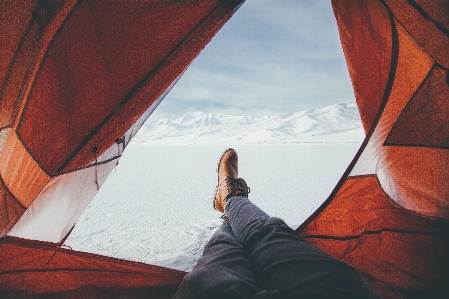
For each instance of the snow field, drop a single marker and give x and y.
(157, 206)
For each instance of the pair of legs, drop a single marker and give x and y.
(257, 256)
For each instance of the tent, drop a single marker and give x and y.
(388, 215)
(78, 79)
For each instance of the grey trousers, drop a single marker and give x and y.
(257, 256)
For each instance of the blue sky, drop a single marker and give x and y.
(272, 57)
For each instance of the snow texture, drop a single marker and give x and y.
(157, 206)
(333, 124)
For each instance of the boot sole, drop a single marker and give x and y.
(215, 202)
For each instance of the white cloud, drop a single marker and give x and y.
(272, 57)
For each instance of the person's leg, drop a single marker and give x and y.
(223, 271)
(282, 260)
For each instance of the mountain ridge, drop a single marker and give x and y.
(338, 123)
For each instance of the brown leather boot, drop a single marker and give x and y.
(229, 184)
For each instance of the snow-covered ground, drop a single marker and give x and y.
(157, 206)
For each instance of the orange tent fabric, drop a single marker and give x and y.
(77, 80)
(41, 270)
(389, 215)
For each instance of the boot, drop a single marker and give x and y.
(229, 184)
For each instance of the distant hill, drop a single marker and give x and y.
(333, 124)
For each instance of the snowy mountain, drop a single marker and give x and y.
(333, 124)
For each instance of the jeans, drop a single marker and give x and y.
(258, 256)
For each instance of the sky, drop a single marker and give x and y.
(272, 57)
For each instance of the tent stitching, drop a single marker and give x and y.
(388, 88)
(424, 82)
(379, 231)
(425, 15)
(34, 82)
(136, 88)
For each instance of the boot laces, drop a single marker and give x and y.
(236, 187)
